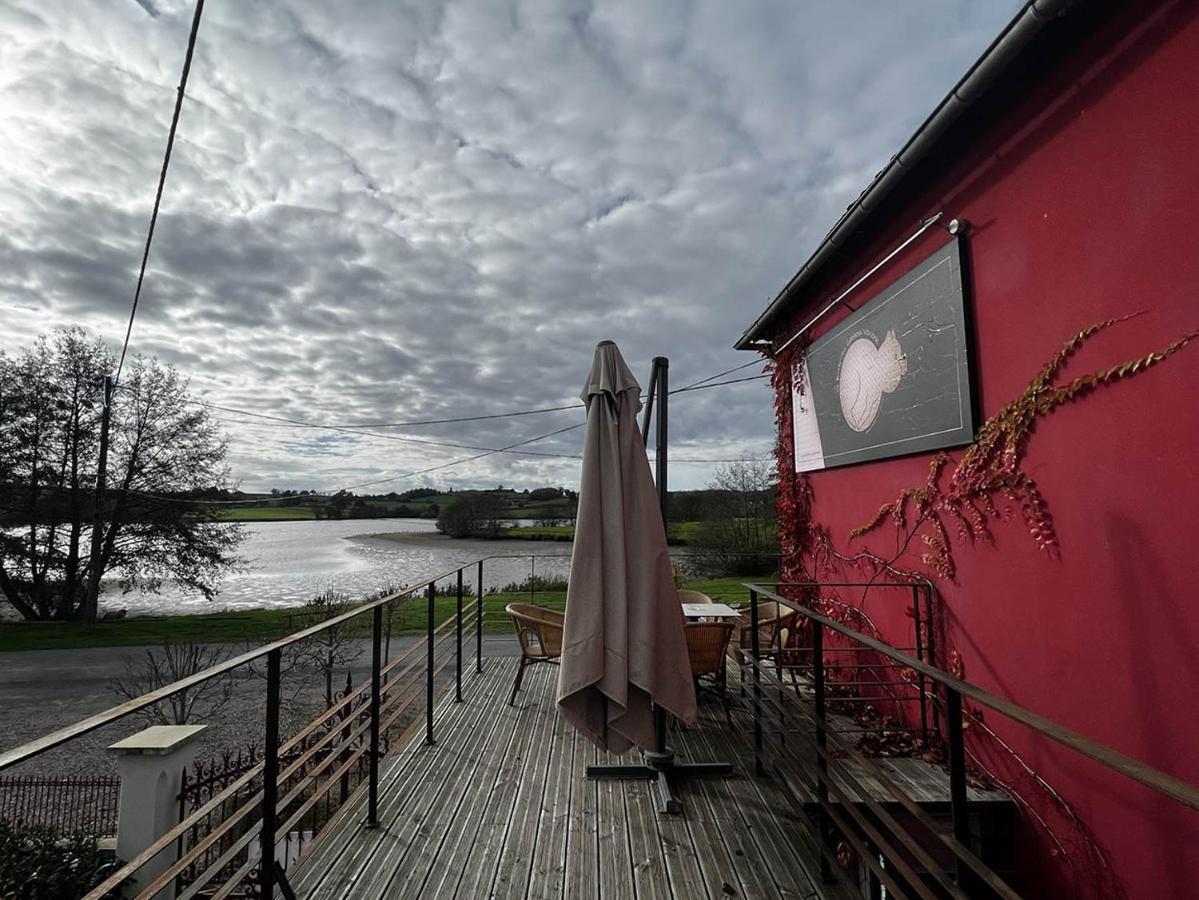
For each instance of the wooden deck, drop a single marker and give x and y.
(501, 807)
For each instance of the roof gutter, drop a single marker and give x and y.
(1020, 32)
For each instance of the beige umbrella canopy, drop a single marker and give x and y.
(623, 647)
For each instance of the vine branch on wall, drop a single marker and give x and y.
(988, 474)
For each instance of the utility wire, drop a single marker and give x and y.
(350, 487)
(162, 178)
(695, 384)
(355, 427)
(283, 421)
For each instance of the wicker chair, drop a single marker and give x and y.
(539, 631)
(693, 597)
(771, 618)
(707, 648)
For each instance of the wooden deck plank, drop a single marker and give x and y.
(405, 767)
(457, 852)
(582, 839)
(515, 861)
(650, 875)
(731, 866)
(495, 818)
(402, 864)
(683, 867)
(612, 837)
(501, 807)
(548, 874)
(403, 788)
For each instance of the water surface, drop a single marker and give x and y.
(290, 562)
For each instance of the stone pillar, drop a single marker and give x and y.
(151, 764)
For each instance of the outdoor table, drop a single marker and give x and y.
(709, 611)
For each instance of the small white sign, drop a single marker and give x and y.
(809, 452)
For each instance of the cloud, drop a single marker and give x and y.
(380, 211)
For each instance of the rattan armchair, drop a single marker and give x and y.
(693, 597)
(771, 617)
(539, 631)
(707, 648)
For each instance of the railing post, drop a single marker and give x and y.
(957, 778)
(270, 778)
(429, 668)
(532, 579)
(920, 680)
(755, 650)
(458, 659)
(372, 797)
(479, 623)
(930, 650)
(826, 871)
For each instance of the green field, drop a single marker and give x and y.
(267, 513)
(260, 625)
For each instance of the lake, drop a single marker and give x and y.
(290, 562)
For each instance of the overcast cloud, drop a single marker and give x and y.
(392, 211)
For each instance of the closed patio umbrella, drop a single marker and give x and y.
(623, 649)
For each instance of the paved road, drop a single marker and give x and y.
(43, 690)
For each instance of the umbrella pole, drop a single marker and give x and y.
(660, 765)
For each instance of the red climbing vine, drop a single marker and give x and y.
(987, 483)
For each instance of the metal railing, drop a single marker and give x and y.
(67, 802)
(211, 845)
(845, 808)
(284, 788)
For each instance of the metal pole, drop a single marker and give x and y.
(532, 578)
(957, 776)
(661, 381)
(91, 606)
(458, 658)
(479, 623)
(920, 680)
(662, 367)
(826, 871)
(755, 650)
(372, 797)
(270, 778)
(429, 669)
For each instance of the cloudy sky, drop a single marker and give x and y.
(386, 211)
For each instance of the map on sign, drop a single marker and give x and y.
(893, 377)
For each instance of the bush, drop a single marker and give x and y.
(40, 863)
(536, 583)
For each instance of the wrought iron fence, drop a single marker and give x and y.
(68, 803)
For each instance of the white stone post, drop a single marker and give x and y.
(151, 765)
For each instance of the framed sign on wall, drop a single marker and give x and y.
(892, 378)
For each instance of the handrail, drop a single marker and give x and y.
(1128, 766)
(49, 741)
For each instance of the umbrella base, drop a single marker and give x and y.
(661, 768)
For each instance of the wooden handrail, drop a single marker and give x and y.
(1135, 769)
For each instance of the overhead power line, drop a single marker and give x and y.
(162, 178)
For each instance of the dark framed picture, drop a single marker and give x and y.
(891, 379)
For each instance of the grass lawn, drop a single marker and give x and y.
(680, 532)
(267, 513)
(260, 625)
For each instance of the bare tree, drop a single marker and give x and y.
(167, 664)
(163, 452)
(739, 534)
(331, 649)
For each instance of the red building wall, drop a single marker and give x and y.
(1084, 206)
